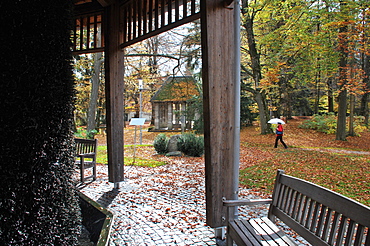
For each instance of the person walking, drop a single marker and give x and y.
(279, 135)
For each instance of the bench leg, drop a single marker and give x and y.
(220, 233)
(94, 171)
(229, 240)
(82, 169)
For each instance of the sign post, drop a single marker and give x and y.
(136, 122)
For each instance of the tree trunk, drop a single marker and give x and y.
(365, 108)
(342, 97)
(365, 98)
(95, 82)
(342, 111)
(330, 95)
(351, 131)
(259, 96)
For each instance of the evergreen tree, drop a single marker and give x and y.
(38, 201)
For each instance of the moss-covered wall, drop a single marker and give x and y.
(38, 204)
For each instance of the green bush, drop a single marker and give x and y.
(160, 143)
(326, 123)
(82, 133)
(191, 145)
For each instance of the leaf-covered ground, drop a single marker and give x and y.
(342, 166)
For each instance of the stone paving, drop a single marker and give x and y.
(160, 206)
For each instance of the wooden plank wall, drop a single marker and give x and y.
(219, 76)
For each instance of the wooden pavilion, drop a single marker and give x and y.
(111, 25)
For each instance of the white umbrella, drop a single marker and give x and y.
(276, 121)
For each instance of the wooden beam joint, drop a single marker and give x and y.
(228, 4)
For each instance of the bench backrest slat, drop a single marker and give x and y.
(351, 230)
(84, 146)
(321, 216)
(321, 220)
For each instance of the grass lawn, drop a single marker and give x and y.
(130, 160)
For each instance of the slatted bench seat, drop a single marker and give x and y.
(86, 156)
(319, 215)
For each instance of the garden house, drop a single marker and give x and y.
(171, 103)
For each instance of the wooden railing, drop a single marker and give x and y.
(145, 18)
(88, 33)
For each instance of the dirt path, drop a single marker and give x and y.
(340, 151)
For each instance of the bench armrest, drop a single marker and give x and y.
(231, 204)
(249, 202)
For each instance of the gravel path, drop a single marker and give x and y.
(160, 206)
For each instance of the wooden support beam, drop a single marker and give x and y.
(114, 94)
(219, 82)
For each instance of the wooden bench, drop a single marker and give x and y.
(319, 215)
(86, 156)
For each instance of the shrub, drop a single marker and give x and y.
(359, 125)
(326, 123)
(91, 134)
(160, 143)
(82, 133)
(191, 145)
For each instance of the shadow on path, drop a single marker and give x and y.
(108, 197)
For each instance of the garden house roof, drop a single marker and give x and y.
(177, 89)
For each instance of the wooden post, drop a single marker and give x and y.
(156, 116)
(182, 115)
(219, 92)
(170, 116)
(114, 94)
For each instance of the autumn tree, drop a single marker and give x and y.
(342, 96)
(364, 108)
(170, 54)
(94, 95)
(352, 36)
(89, 84)
(365, 58)
(302, 59)
(143, 60)
(254, 69)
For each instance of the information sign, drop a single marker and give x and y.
(137, 121)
